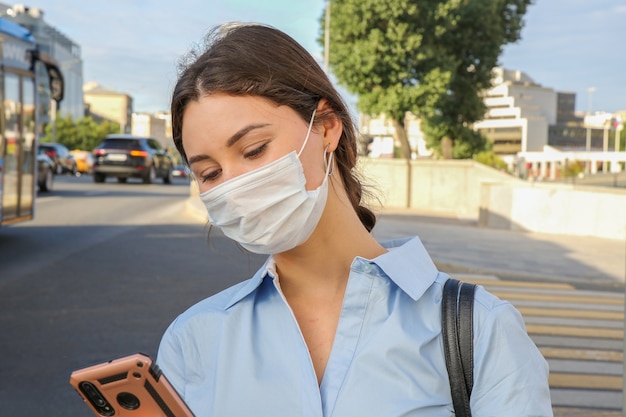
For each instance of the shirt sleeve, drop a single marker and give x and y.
(170, 360)
(510, 374)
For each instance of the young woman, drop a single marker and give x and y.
(335, 323)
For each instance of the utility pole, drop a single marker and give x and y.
(590, 90)
(618, 128)
(53, 120)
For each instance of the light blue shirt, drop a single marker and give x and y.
(240, 353)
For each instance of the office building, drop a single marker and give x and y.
(519, 112)
(102, 103)
(155, 125)
(66, 52)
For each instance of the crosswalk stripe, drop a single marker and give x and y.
(571, 313)
(582, 354)
(585, 381)
(575, 331)
(580, 332)
(556, 298)
(522, 284)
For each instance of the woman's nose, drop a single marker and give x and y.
(231, 171)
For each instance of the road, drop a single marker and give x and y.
(100, 273)
(104, 268)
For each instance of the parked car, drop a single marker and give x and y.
(45, 172)
(84, 161)
(126, 156)
(180, 171)
(60, 155)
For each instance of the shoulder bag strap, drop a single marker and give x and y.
(465, 319)
(457, 318)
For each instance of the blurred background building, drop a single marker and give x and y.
(64, 50)
(104, 104)
(154, 125)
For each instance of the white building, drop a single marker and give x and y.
(519, 112)
(380, 133)
(157, 126)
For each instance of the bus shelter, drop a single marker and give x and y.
(30, 81)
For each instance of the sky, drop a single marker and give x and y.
(133, 46)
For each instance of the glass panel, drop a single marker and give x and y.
(43, 102)
(28, 141)
(12, 149)
(112, 143)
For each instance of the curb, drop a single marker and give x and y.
(194, 207)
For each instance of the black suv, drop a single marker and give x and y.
(63, 161)
(124, 156)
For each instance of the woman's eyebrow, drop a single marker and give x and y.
(242, 132)
(197, 158)
(230, 142)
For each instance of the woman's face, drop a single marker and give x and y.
(225, 136)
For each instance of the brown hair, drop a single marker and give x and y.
(258, 60)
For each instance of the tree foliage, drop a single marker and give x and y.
(84, 133)
(429, 57)
(490, 158)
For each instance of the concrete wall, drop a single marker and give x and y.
(467, 189)
(555, 208)
(445, 187)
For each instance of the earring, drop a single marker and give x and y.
(329, 167)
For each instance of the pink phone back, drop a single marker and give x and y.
(131, 386)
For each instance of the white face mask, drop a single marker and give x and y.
(269, 210)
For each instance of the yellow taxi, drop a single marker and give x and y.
(84, 161)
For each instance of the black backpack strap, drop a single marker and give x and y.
(457, 318)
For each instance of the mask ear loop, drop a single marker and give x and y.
(329, 167)
(308, 133)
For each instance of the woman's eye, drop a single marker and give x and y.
(210, 176)
(255, 152)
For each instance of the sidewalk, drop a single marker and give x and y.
(458, 245)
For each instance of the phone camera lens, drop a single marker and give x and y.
(128, 401)
(92, 393)
(96, 398)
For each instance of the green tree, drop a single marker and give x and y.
(490, 158)
(573, 169)
(429, 57)
(84, 133)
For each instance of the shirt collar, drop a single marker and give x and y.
(268, 269)
(407, 264)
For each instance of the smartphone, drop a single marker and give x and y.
(132, 386)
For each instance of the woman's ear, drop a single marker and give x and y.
(331, 127)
